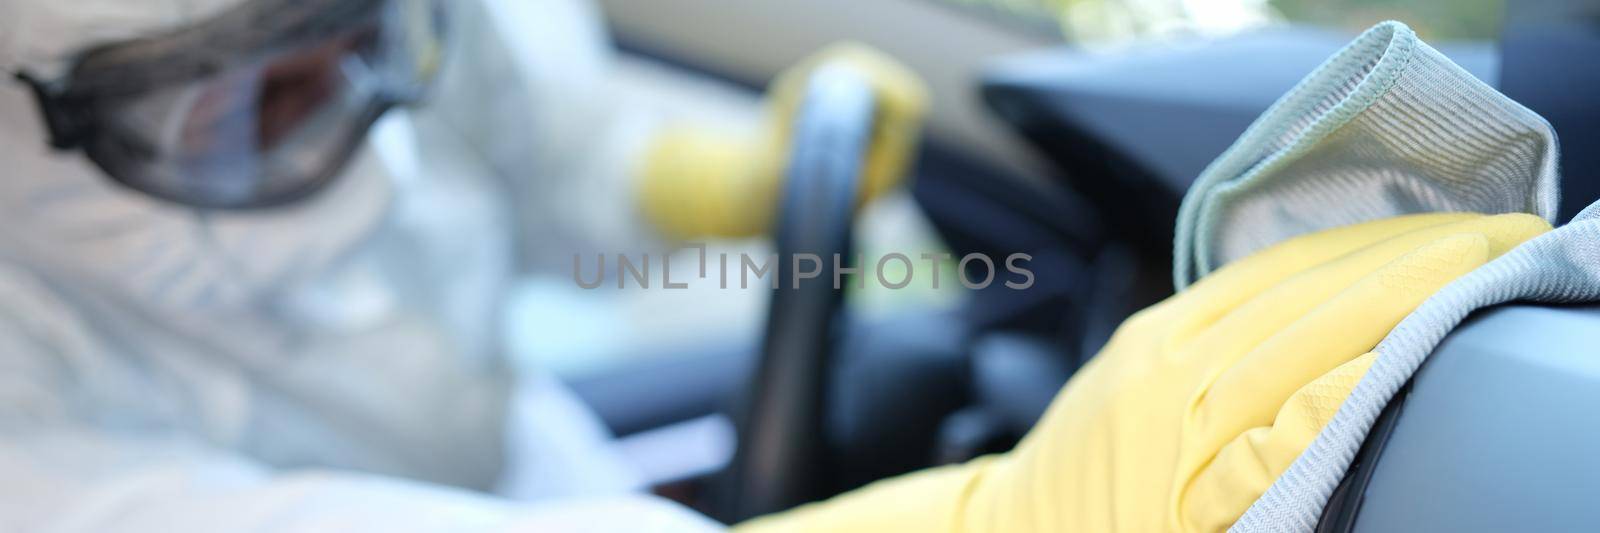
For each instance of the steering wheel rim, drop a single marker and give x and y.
(781, 458)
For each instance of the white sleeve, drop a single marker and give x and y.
(558, 447)
(529, 88)
(70, 480)
(67, 467)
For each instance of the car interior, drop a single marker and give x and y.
(1080, 159)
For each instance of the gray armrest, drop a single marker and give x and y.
(1500, 430)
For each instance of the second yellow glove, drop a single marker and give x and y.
(696, 181)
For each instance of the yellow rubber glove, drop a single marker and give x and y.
(697, 181)
(1197, 403)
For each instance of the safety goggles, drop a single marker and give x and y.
(259, 106)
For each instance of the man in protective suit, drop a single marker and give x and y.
(212, 274)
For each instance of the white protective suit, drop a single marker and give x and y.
(332, 365)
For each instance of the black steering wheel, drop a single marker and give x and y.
(781, 460)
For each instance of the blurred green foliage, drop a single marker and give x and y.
(1093, 21)
(1435, 20)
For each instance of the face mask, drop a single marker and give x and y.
(1386, 127)
(260, 105)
